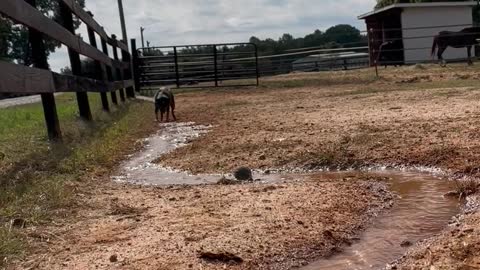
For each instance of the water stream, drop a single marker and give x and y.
(419, 212)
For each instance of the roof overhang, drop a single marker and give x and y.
(417, 5)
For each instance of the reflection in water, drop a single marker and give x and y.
(420, 212)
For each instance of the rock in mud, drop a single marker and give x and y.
(328, 234)
(113, 258)
(225, 257)
(406, 243)
(226, 181)
(243, 174)
(452, 194)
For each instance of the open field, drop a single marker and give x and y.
(422, 116)
(339, 120)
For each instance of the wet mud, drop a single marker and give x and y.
(420, 209)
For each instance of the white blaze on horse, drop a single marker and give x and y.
(466, 38)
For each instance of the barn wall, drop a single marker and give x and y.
(386, 27)
(432, 16)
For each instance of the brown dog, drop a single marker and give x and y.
(164, 102)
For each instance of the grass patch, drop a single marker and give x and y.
(38, 179)
(11, 244)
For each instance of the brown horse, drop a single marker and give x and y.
(466, 38)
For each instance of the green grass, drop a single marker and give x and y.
(38, 178)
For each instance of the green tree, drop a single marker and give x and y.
(315, 39)
(14, 43)
(343, 34)
(5, 30)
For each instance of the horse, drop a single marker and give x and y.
(465, 38)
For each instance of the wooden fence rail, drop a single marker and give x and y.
(111, 75)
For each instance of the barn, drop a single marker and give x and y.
(410, 27)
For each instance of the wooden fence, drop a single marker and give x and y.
(112, 75)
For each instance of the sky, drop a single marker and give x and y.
(182, 22)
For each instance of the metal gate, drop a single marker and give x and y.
(198, 66)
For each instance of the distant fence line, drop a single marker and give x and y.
(197, 67)
(111, 74)
(212, 65)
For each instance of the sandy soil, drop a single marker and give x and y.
(266, 226)
(411, 116)
(343, 125)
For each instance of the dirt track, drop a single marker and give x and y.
(413, 117)
(268, 226)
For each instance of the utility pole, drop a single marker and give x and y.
(141, 33)
(122, 22)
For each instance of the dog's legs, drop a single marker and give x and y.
(173, 114)
(168, 114)
(156, 113)
(172, 106)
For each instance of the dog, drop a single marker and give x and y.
(164, 103)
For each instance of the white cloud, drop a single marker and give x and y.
(170, 22)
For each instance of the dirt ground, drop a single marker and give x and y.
(411, 116)
(170, 228)
(345, 121)
(421, 116)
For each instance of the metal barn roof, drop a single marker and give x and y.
(417, 5)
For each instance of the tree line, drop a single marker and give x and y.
(338, 36)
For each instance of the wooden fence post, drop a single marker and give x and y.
(118, 73)
(39, 59)
(76, 64)
(109, 72)
(135, 65)
(127, 73)
(99, 74)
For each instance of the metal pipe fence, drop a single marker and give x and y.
(189, 66)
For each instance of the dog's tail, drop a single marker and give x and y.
(434, 46)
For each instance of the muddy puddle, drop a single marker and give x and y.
(419, 212)
(141, 169)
